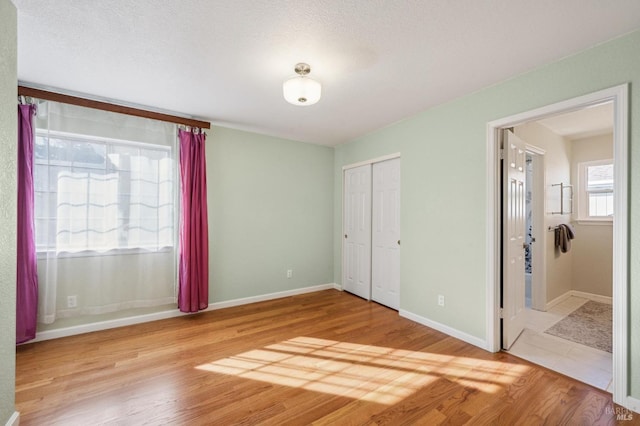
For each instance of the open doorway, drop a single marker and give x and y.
(618, 97)
(569, 329)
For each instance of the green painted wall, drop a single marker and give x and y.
(270, 209)
(8, 198)
(444, 184)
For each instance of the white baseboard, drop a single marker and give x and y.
(139, 319)
(475, 341)
(595, 297)
(337, 286)
(584, 295)
(270, 296)
(14, 420)
(104, 325)
(557, 300)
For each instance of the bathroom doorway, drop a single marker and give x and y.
(496, 278)
(569, 328)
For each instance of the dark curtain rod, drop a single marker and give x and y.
(106, 106)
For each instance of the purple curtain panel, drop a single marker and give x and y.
(193, 266)
(27, 275)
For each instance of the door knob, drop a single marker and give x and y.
(345, 235)
(398, 242)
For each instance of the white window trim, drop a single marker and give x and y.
(583, 217)
(92, 138)
(141, 251)
(595, 222)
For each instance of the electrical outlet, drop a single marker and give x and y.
(289, 273)
(440, 300)
(72, 301)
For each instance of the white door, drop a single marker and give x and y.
(385, 257)
(357, 231)
(513, 229)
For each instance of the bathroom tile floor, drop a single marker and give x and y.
(589, 365)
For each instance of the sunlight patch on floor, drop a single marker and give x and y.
(371, 373)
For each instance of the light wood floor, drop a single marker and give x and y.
(319, 358)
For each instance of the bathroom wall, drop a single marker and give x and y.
(557, 160)
(592, 248)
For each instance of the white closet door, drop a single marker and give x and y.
(386, 233)
(357, 231)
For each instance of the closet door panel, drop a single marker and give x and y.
(357, 231)
(386, 233)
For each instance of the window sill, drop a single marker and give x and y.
(596, 222)
(93, 253)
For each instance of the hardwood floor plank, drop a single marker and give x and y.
(424, 404)
(319, 358)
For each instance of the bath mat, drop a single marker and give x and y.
(590, 325)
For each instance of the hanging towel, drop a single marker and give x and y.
(563, 236)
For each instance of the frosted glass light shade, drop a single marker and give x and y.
(301, 91)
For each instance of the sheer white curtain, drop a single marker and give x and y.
(106, 211)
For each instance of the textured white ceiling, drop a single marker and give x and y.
(225, 60)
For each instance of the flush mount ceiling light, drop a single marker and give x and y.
(302, 90)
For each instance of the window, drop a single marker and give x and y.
(99, 194)
(596, 187)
